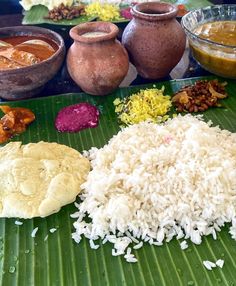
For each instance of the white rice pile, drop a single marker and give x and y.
(153, 182)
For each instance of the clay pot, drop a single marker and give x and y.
(96, 61)
(154, 39)
(27, 82)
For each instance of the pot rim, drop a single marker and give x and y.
(164, 11)
(76, 33)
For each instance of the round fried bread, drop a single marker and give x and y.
(37, 179)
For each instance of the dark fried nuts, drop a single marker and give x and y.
(199, 96)
(65, 12)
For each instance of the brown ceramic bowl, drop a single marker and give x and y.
(26, 82)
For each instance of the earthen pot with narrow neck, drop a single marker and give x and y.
(154, 39)
(96, 61)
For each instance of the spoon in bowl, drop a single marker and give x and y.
(4, 44)
(37, 42)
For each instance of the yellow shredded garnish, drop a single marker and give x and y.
(105, 12)
(148, 104)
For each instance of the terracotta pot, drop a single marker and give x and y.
(27, 82)
(154, 39)
(97, 63)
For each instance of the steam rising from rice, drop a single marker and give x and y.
(155, 182)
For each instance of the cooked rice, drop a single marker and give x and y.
(17, 222)
(93, 245)
(139, 245)
(154, 182)
(209, 265)
(220, 263)
(33, 233)
(184, 245)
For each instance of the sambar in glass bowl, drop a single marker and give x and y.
(211, 32)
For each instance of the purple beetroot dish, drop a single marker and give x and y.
(76, 117)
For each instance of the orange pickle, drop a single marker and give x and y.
(14, 121)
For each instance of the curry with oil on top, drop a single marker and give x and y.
(22, 51)
(219, 60)
(222, 32)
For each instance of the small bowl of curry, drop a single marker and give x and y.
(212, 38)
(29, 57)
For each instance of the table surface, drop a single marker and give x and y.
(62, 82)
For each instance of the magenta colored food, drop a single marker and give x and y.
(125, 13)
(76, 117)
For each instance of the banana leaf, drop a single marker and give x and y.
(55, 259)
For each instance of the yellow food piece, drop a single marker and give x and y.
(37, 179)
(149, 104)
(222, 32)
(217, 64)
(105, 12)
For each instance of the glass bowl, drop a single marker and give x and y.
(215, 57)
